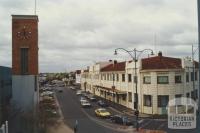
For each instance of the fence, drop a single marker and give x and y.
(4, 128)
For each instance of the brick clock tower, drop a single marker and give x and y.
(25, 61)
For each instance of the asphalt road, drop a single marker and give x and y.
(87, 122)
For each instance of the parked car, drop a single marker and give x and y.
(50, 101)
(82, 99)
(92, 97)
(102, 112)
(85, 103)
(51, 112)
(79, 92)
(60, 90)
(119, 119)
(72, 88)
(46, 93)
(102, 103)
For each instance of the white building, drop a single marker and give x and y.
(78, 77)
(159, 79)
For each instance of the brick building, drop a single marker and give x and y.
(25, 61)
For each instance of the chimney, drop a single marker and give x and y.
(110, 60)
(115, 61)
(160, 54)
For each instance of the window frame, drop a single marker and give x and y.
(123, 77)
(144, 81)
(147, 98)
(158, 82)
(178, 81)
(129, 78)
(160, 104)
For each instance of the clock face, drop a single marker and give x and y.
(24, 33)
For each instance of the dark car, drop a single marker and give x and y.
(92, 98)
(102, 103)
(124, 120)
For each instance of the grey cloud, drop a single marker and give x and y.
(74, 34)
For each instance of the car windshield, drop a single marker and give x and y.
(103, 111)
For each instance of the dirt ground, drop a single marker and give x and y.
(59, 128)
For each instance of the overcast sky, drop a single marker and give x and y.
(76, 33)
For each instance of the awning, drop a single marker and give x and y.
(116, 91)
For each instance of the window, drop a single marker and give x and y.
(117, 77)
(195, 76)
(194, 94)
(163, 100)
(192, 76)
(107, 76)
(123, 77)
(113, 76)
(162, 80)
(135, 79)
(124, 97)
(187, 76)
(24, 60)
(178, 79)
(129, 78)
(129, 96)
(147, 79)
(187, 95)
(147, 100)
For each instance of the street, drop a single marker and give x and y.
(72, 111)
(88, 122)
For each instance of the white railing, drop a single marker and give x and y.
(4, 128)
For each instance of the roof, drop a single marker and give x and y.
(35, 17)
(86, 70)
(114, 67)
(161, 62)
(78, 71)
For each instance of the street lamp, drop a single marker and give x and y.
(135, 56)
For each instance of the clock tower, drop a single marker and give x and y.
(25, 61)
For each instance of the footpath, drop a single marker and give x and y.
(60, 127)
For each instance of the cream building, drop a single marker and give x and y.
(159, 79)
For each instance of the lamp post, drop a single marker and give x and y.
(198, 117)
(193, 70)
(135, 55)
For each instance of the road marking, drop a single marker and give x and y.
(140, 121)
(147, 123)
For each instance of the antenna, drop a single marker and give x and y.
(155, 41)
(35, 7)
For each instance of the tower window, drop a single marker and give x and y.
(24, 60)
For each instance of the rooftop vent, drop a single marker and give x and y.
(160, 53)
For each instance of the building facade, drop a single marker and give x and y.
(5, 92)
(159, 79)
(25, 61)
(78, 77)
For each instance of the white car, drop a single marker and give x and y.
(79, 92)
(82, 99)
(85, 103)
(46, 93)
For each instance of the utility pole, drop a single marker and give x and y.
(198, 117)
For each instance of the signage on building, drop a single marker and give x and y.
(182, 113)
